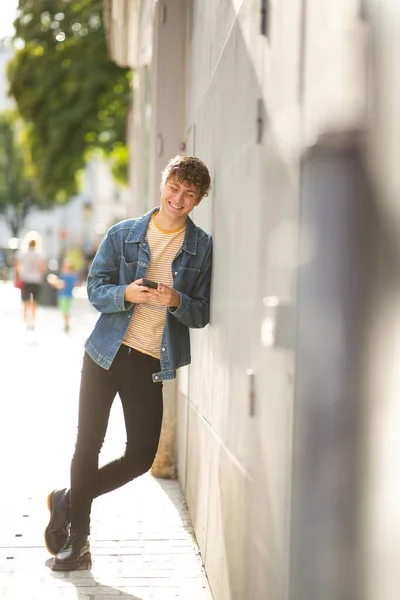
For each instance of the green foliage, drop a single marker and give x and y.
(74, 98)
(17, 191)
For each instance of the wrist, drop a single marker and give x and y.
(176, 300)
(126, 294)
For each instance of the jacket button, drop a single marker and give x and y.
(156, 377)
(175, 272)
(163, 349)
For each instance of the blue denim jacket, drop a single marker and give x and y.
(124, 256)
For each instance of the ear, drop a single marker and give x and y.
(197, 202)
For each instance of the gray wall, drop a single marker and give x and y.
(269, 428)
(235, 460)
(270, 402)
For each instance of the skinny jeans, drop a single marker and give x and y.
(130, 376)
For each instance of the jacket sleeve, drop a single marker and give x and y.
(194, 311)
(103, 288)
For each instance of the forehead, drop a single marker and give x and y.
(184, 185)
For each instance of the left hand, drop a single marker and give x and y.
(167, 296)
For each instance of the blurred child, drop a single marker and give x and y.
(65, 284)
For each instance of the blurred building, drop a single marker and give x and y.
(83, 221)
(279, 441)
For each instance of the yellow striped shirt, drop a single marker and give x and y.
(147, 323)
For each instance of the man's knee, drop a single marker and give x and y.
(139, 460)
(87, 446)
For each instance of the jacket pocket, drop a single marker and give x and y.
(186, 279)
(127, 271)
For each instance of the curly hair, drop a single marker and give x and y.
(189, 170)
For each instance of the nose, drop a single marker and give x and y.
(178, 197)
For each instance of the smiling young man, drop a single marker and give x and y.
(139, 340)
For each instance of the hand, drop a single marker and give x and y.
(55, 282)
(52, 279)
(167, 296)
(137, 293)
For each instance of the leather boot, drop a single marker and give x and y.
(74, 555)
(56, 532)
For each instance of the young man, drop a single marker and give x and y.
(140, 339)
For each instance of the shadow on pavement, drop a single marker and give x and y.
(82, 580)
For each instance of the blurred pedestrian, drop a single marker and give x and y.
(30, 269)
(65, 285)
(139, 340)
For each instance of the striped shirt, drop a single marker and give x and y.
(148, 320)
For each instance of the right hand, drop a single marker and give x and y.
(52, 279)
(137, 293)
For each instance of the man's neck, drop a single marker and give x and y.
(164, 222)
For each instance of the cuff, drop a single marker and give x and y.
(119, 298)
(183, 306)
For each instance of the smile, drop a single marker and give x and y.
(175, 206)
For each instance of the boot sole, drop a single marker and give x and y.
(52, 551)
(85, 562)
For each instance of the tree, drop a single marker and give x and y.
(74, 98)
(17, 190)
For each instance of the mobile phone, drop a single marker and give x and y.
(150, 284)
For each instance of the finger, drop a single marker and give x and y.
(138, 281)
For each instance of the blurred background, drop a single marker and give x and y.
(284, 431)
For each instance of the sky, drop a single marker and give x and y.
(8, 9)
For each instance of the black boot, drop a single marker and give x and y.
(56, 532)
(75, 554)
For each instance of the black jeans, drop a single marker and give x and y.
(130, 377)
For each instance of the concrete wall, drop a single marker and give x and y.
(168, 89)
(235, 404)
(253, 104)
(381, 457)
(381, 506)
(256, 423)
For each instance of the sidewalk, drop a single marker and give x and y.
(142, 542)
(142, 547)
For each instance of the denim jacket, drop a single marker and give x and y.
(124, 256)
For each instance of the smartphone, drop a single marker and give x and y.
(150, 284)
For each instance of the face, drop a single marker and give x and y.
(178, 199)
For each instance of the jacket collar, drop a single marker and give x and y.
(137, 233)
